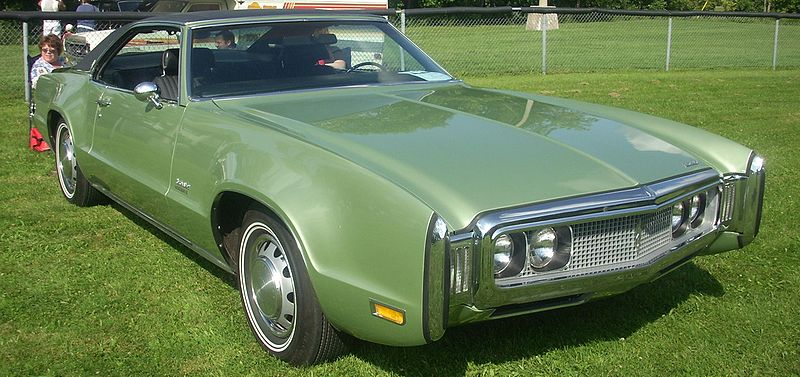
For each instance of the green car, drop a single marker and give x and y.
(355, 188)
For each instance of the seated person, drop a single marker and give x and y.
(51, 48)
(333, 60)
(225, 40)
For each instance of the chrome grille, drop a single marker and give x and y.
(726, 204)
(612, 241)
(603, 242)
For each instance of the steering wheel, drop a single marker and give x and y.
(364, 64)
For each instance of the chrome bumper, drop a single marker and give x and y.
(745, 221)
(454, 297)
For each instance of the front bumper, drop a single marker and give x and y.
(461, 287)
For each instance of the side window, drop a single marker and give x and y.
(140, 59)
(202, 7)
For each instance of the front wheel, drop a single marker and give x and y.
(279, 302)
(76, 189)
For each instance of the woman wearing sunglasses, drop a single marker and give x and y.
(51, 48)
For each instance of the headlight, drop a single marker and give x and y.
(508, 254)
(503, 251)
(697, 205)
(543, 247)
(549, 248)
(679, 215)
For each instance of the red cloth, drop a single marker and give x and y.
(37, 142)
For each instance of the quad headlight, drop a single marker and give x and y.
(503, 251)
(509, 254)
(679, 215)
(549, 248)
(540, 250)
(689, 213)
(697, 206)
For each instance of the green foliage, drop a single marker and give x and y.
(18, 5)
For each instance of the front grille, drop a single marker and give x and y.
(607, 242)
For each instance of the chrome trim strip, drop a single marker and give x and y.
(680, 186)
(605, 213)
(647, 198)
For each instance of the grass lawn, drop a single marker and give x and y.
(98, 291)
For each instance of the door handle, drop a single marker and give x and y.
(103, 102)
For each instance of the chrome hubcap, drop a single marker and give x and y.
(268, 286)
(65, 161)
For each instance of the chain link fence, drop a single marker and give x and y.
(533, 43)
(524, 41)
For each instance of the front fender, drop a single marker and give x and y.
(362, 237)
(67, 95)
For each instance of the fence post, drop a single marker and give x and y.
(669, 42)
(543, 22)
(775, 45)
(25, 55)
(402, 30)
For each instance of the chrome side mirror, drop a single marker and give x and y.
(148, 91)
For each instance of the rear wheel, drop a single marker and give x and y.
(74, 186)
(277, 296)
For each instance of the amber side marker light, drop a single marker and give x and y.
(388, 313)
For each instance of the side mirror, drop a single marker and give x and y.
(148, 91)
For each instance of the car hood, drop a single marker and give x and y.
(464, 151)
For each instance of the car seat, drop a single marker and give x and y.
(167, 83)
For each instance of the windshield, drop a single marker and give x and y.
(251, 59)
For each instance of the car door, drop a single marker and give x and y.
(133, 137)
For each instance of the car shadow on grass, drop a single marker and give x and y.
(535, 334)
(213, 269)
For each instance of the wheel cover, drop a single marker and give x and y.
(66, 166)
(268, 290)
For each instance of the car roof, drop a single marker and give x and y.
(229, 16)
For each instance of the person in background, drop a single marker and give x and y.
(86, 25)
(51, 48)
(51, 26)
(225, 40)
